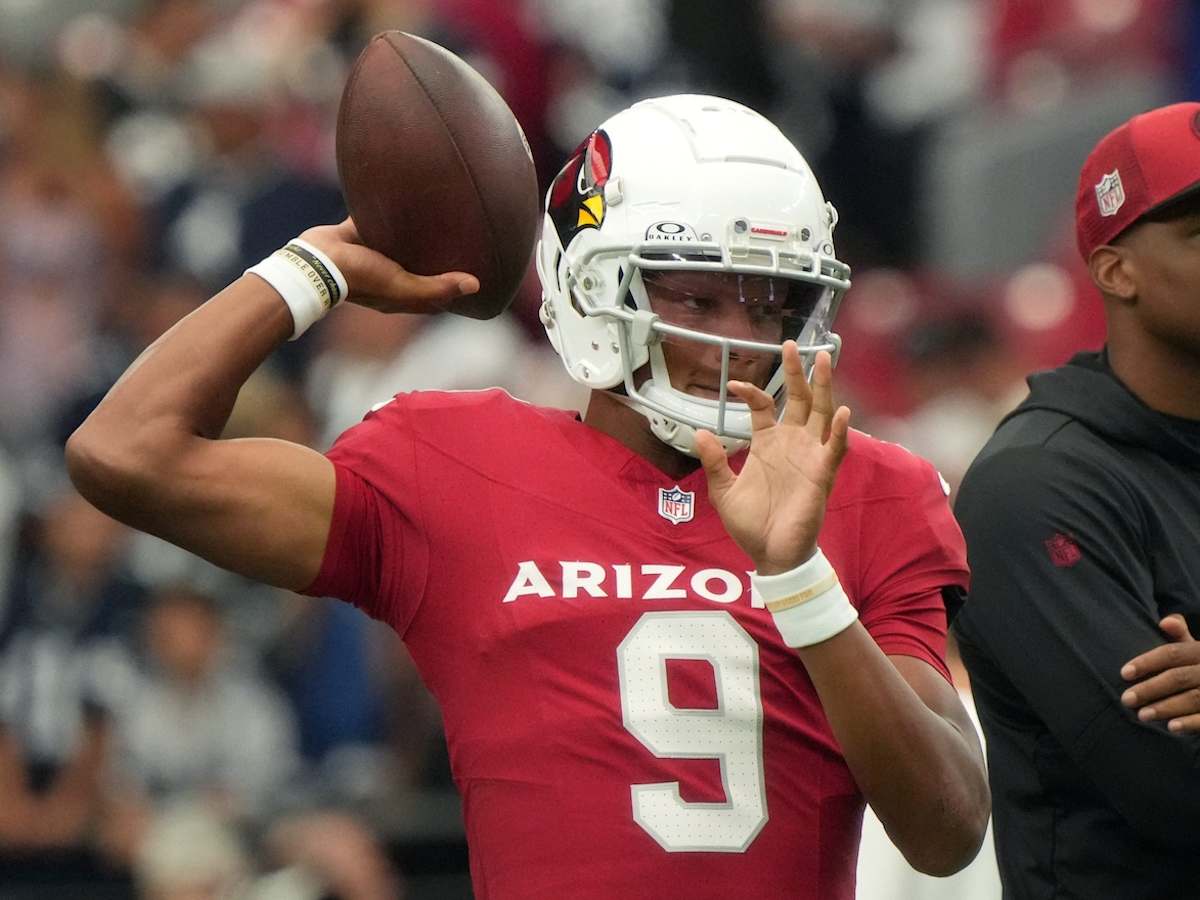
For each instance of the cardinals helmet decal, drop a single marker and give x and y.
(577, 195)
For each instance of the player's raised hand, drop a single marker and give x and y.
(774, 508)
(1167, 679)
(380, 283)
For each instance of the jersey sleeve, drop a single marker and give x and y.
(912, 553)
(376, 555)
(1062, 596)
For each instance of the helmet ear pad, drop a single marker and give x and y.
(596, 347)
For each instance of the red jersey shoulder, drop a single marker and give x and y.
(461, 418)
(876, 470)
(494, 405)
(486, 430)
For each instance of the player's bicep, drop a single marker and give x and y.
(256, 506)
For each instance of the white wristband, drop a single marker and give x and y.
(307, 280)
(807, 602)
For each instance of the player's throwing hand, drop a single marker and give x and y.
(378, 282)
(774, 508)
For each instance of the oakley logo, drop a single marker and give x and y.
(670, 231)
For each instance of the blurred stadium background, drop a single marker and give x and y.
(161, 719)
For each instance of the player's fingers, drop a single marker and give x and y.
(839, 435)
(401, 291)
(1162, 658)
(434, 290)
(1177, 682)
(1185, 703)
(716, 465)
(382, 283)
(762, 407)
(459, 284)
(1184, 724)
(821, 382)
(799, 395)
(1175, 626)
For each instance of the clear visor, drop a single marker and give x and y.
(759, 308)
(750, 314)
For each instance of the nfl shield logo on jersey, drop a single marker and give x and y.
(1110, 193)
(675, 505)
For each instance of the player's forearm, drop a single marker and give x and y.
(921, 774)
(182, 388)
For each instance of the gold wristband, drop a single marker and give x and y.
(804, 596)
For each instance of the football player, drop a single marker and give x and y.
(1083, 516)
(673, 656)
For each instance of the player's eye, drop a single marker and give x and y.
(696, 304)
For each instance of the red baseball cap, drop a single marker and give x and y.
(1151, 160)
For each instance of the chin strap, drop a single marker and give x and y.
(682, 436)
(675, 434)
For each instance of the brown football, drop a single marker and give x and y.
(435, 170)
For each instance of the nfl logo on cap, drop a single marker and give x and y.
(675, 505)
(1137, 168)
(1110, 193)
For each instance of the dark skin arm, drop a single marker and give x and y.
(149, 455)
(903, 730)
(909, 743)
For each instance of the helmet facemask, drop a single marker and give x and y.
(679, 297)
(733, 325)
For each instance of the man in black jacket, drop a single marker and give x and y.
(1082, 519)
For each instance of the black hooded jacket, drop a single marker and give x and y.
(1082, 520)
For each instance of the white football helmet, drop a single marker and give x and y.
(691, 183)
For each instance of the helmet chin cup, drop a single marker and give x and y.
(682, 437)
(689, 183)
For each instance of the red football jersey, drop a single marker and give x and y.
(622, 716)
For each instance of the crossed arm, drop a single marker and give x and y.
(1083, 644)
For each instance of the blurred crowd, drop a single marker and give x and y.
(167, 724)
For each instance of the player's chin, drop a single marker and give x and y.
(704, 392)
